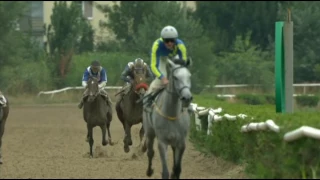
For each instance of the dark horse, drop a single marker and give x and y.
(4, 112)
(96, 112)
(129, 112)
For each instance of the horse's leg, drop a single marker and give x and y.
(127, 137)
(141, 133)
(150, 152)
(109, 134)
(1, 134)
(104, 130)
(0, 150)
(122, 120)
(142, 145)
(90, 133)
(163, 156)
(177, 158)
(87, 138)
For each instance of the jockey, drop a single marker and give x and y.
(95, 70)
(128, 76)
(167, 46)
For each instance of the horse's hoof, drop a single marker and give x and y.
(149, 172)
(144, 149)
(91, 156)
(130, 142)
(173, 176)
(126, 149)
(110, 142)
(1, 162)
(104, 143)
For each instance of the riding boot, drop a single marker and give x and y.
(80, 105)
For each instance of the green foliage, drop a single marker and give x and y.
(251, 99)
(109, 46)
(246, 64)
(265, 154)
(305, 17)
(223, 21)
(28, 77)
(10, 39)
(114, 63)
(125, 17)
(23, 67)
(68, 33)
(256, 99)
(86, 43)
(305, 100)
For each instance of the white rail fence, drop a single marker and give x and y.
(216, 86)
(214, 117)
(304, 86)
(53, 92)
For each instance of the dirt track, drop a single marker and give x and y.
(49, 142)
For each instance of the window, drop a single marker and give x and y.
(37, 9)
(87, 9)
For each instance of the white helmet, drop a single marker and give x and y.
(169, 32)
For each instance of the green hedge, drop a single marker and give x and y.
(113, 62)
(32, 77)
(265, 154)
(256, 99)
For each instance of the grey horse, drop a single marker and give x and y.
(4, 112)
(168, 119)
(96, 112)
(129, 112)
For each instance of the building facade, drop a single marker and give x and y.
(40, 11)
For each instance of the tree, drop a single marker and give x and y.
(67, 29)
(86, 43)
(223, 21)
(246, 64)
(125, 17)
(305, 17)
(10, 39)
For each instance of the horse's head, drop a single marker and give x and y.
(93, 88)
(180, 80)
(139, 71)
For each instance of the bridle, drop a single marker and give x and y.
(177, 91)
(93, 80)
(135, 86)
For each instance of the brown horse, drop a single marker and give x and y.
(128, 110)
(97, 112)
(4, 112)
